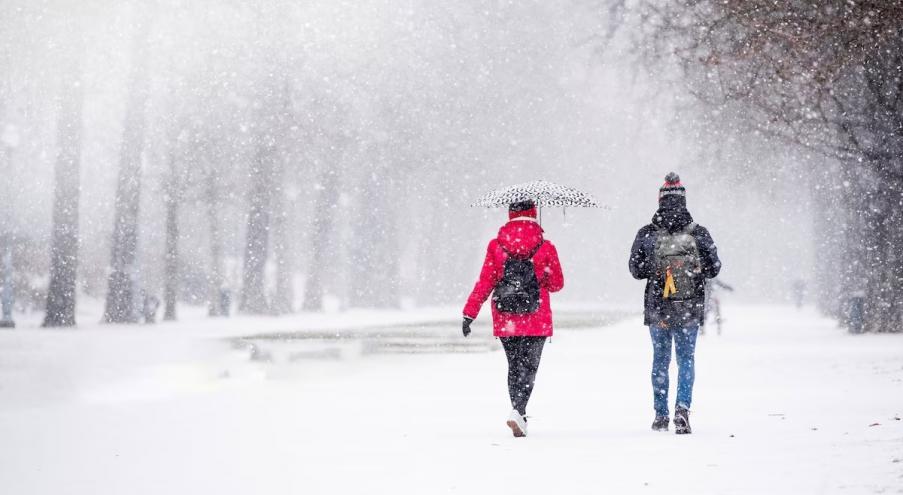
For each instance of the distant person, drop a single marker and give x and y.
(520, 270)
(674, 255)
(225, 301)
(857, 311)
(149, 308)
(713, 303)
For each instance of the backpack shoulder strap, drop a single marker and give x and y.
(530, 256)
(507, 253)
(536, 249)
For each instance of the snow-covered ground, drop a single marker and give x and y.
(785, 402)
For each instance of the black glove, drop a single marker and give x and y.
(465, 327)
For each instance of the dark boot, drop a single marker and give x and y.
(660, 423)
(682, 421)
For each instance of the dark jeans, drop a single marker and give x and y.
(523, 355)
(685, 347)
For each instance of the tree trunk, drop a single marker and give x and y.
(61, 293)
(284, 295)
(9, 140)
(253, 295)
(173, 198)
(360, 260)
(323, 226)
(890, 273)
(878, 291)
(849, 243)
(895, 270)
(215, 303)
(273, 108)
(121, 293)
(390, 278)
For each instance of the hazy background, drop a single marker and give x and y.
(404, 112)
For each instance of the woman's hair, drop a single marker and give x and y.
(522, 205)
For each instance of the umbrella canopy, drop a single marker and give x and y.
(543, 193)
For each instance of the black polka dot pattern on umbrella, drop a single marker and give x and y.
(543, 193)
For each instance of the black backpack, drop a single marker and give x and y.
(518, 290)
(677, 254)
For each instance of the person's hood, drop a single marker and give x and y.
(520, 236)
(672, 218)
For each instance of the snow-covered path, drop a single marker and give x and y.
(784, 403)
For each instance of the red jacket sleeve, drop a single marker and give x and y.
(489, 277)
(552, 278)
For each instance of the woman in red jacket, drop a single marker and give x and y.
(521, 313)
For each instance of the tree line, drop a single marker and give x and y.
(249, 128)
(827, 78)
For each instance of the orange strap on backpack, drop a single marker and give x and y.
(670, 288)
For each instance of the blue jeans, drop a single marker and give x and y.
(685, 348)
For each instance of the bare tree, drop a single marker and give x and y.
(215, 279)
(121, 292)
(253, 295)
(172, 197)
(269, 118)
(825, 76)
(271, 107)
(283, 196)
(323, 227)
(61, 293)
(284, 295)
(334, 138)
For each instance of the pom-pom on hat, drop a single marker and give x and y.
(522, 209)
(672, 187)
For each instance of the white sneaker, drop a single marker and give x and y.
(517, 424)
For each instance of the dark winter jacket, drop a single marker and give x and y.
(642, 266)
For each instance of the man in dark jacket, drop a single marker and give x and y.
(675, 256)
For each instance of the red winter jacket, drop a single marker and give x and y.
(519, 236)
